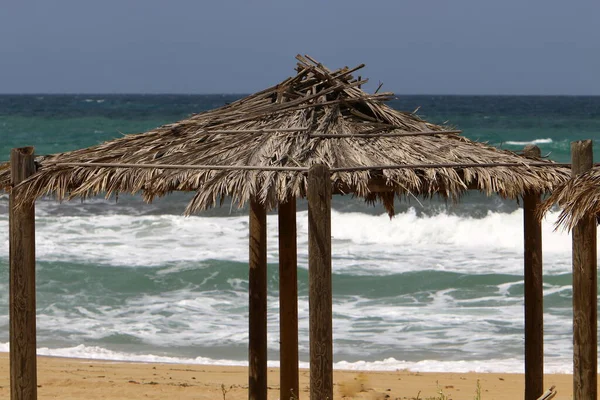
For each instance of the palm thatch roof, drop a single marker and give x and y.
(283, 126)
(578, 197)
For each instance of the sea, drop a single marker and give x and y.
(439, 287)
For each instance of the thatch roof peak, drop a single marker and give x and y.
(316, 116)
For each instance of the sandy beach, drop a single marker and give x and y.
(69, 379)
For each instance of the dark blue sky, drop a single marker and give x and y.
(414, 47)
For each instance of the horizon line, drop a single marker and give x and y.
(248, 94)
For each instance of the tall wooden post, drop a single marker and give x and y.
(534, 297)
(23, 375)
(585, 325)
(319, 275)
(288, 300)
(257, 287)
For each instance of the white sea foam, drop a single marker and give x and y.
(362, 244)
(441, 325)
(439, 321)
(509, 365)
(535, 141)
(99, 353)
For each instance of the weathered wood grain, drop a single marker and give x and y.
(257, 288)
(585, 290)
(23, 370)
(320, 289)
(534, 296)
(288, 300)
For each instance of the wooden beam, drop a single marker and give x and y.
(181, 166)
(305, 169)
(534, 296)
(257, 308)
(378, 185)
(319, 275)
(369, 135)
(288, 301)
(453, 165)
(266, 130)
(585, 290)
(23, 368)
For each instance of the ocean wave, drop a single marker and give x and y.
(524, 143)
(362, 243)
(508, 365)
(99, 353)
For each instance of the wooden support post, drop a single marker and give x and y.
(534, 297)
(585, 324)
(319, 275)
(288, 301)
(257, 288)
(23, 371)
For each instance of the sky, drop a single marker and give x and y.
(532, 47)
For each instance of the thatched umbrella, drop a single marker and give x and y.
(578, 198)
(258, 150)
(283, 126)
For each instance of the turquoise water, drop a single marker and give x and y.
(439, 287)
